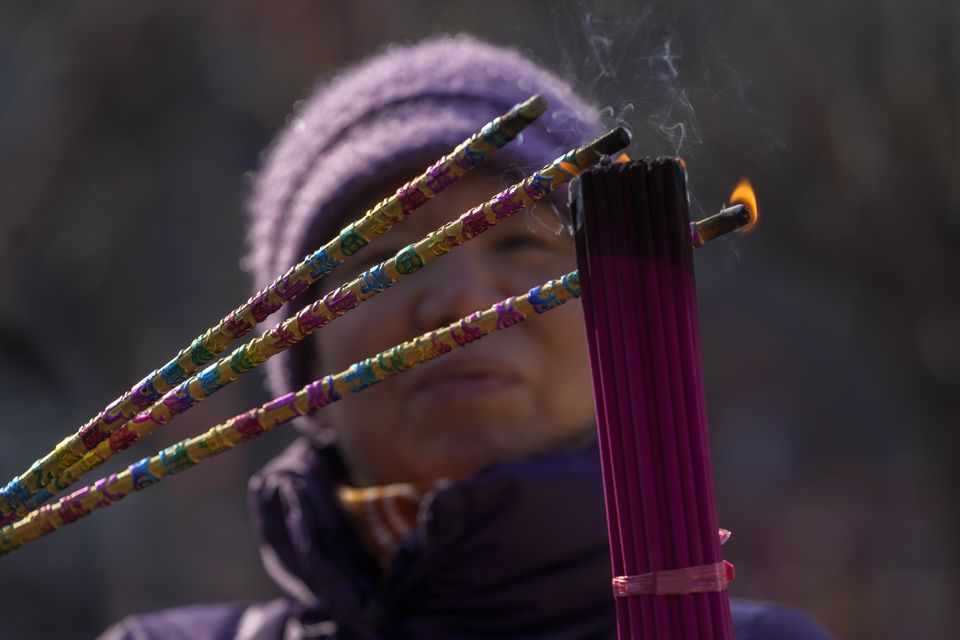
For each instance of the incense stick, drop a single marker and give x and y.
(664, 219)
(727, 220)
(359, 376)
(655, 504)
(247, 426)
(699, 460)
(589, 258)
(341, 300)
(611, 232)
(32, 487)
(634, 251)
(649, 541)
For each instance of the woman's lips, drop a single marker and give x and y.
(463, 387)
(465, 382)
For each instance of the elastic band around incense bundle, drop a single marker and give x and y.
(256, 422)
(675, 582)
(32, 488)
(704, 578)
(341, 300)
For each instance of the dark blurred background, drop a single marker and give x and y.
(831, 334)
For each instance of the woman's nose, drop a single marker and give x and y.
(460, 283)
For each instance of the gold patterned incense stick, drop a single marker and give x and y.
(340, 301)
(254, 423)
(249, 425)
(37, 485)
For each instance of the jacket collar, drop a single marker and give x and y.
(519, 550)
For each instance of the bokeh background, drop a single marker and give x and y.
(128, 131)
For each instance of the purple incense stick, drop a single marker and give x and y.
(633, 188)
(635, 260)
(689, 346)
(676, 443)
(633, 532)
(588, 254)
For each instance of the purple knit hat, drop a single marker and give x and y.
(408, 104)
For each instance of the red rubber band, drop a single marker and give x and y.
(671, 582)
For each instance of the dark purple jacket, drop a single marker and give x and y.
(518, 551)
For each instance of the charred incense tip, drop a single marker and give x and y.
(729, 219)
(739, 213)
(531, 108)
(611, 142)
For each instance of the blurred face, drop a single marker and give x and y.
(513, 394)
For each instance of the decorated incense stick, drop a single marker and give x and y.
(31, 488)
(249, 425)
(338, 302)
(634, 253)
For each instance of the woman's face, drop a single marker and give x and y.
(513, 394)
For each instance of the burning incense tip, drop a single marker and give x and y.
(730, 219)
(611, 142)
(743, 194)
(739, 213)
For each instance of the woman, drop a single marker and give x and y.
(463, 499)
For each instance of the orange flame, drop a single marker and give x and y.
(743, 194)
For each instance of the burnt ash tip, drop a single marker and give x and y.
(739, 212)
(611, 142)
(726, 221)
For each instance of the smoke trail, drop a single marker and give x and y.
(629, 58)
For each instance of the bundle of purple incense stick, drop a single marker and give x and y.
(635, 259)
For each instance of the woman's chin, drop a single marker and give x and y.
(459, 446)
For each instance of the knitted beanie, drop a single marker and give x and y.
(408, 104)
